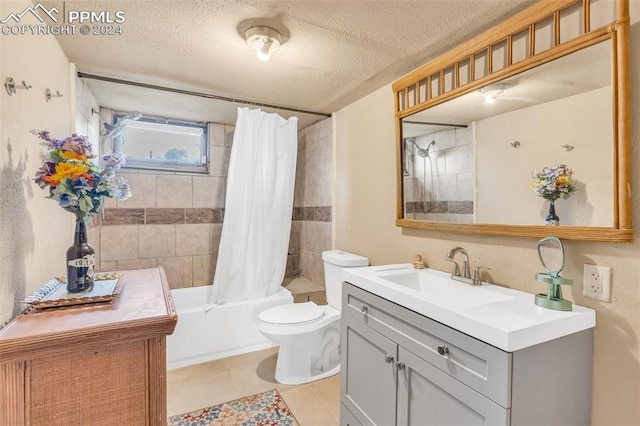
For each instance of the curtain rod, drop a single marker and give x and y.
(199, 94)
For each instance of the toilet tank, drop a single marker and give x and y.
(334, 262)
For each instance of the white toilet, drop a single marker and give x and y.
(308, 334)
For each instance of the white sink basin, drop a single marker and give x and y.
(505, 318)
(445, 290)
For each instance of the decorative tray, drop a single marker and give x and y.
(106, 286)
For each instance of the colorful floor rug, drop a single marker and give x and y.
(265, 408)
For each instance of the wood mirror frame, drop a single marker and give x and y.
(442, 80)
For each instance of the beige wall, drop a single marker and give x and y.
(34, 231)
(365, 209)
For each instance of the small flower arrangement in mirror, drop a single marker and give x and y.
(76, 182)
(553, 182)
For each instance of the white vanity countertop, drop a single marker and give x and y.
(505, 318)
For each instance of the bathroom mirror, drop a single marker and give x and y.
(451, 172)
(547, 87)
(551, 253)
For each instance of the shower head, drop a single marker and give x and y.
(114, 130)
(423, 152)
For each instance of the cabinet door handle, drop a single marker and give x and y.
(443, 350)
(388, 359)
(364, 309)
(400, 365)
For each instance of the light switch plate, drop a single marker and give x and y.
(597, 282)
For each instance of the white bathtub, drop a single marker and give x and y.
(223, 331)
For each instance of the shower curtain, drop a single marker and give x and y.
(252, 256)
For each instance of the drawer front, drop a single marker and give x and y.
(483, 367)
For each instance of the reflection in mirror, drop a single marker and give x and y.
(438, 171)
(471, 159)
(551, 255)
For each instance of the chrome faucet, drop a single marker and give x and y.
(465, 262)
(465, 276)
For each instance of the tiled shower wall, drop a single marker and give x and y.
(173, 220)
(440, 187)
(311, 230)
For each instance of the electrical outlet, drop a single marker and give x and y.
(597, 282)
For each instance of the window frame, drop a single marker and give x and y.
(165, 165)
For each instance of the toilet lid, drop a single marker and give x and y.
(294, 314)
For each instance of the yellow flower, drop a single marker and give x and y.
(563, 180)
(72, 155)
(71, 169)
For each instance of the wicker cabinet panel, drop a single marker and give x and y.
(102, 386)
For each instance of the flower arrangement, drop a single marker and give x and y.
(553, 182)
(74, 181)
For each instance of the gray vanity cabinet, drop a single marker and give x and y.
(402, 368)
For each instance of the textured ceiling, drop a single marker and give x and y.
(337, 52)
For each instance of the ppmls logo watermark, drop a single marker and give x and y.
(38, 20)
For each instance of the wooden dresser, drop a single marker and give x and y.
(90, 365)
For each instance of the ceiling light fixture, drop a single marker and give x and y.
(493, 91)
(264, 40)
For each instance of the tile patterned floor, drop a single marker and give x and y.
(203, 385)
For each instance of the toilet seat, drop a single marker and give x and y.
(294, 314)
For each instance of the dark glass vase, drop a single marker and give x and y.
(552, 219)
(81, 258)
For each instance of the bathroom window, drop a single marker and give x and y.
(161, 144)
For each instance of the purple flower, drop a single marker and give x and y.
(46, 169)
(48, 142)
(78, 144)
